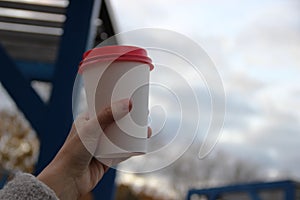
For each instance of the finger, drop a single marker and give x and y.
(89, 131)
(115, 112)
(80, 121)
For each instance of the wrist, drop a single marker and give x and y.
(63, 186)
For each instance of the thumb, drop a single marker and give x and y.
(114, 112)
(89, 131)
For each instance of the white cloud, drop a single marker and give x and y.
(255, 45)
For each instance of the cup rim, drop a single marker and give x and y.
(114, 53)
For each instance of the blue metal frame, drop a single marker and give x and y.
(58, 117)
(36, 70)
(4, 177)
(52, 121)
(288, 187)
(19, 88)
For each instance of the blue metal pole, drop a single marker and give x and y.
(73, 45)
(253, 194)
(19, 88)
(290, 191)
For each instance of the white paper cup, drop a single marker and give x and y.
(110, 74)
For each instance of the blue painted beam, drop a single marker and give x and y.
(253, 194)
(58, 118)
(4, 174)
(36, 70)
(290, 191)
(287, 186)
(59, 115)
(19, 88)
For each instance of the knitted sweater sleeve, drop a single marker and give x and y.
(26, 186)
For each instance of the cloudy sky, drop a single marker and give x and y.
(256, 48)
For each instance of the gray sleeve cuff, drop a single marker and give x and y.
(26, 186)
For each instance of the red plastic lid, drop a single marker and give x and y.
(115, 53)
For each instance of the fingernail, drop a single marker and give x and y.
(126, 105)
(121, 108)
